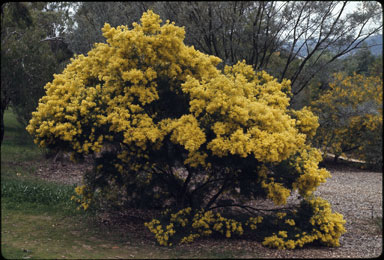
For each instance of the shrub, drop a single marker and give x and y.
(169, 130)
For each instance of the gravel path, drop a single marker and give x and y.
(358, 195)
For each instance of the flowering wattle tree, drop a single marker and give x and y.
(351, 117)
(172, 131)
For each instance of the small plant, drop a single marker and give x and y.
(378, 222)
(35, 192)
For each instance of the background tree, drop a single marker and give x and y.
(293, 40)
(31, 51)
(361, 61)
(298, 31)
(91, 16)
(350, 116)
(172, 131)
(376, 68)
(19, 15)
(358, 62)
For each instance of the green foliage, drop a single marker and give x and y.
(376, 68)
(91, 16)
(359, 62)
(28, 59)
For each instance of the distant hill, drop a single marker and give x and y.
(374, 43)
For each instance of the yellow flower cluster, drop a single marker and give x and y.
(189, 239)
(327, 227)
(253, 221)
(277, 241)
(311, 176)
(277, 192)
(187, 132)
(181, 216)
(281, 215)
(251, 112)
(162, 235)
(83, 197)
(103, 95)
(305, 163)
(207, 222)
(349, 111)
(290, 222)
(203, 223)
(306, 121)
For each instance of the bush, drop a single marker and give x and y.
(169, 130)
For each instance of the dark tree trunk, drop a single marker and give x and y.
(2, 125)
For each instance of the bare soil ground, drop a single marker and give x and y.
(353, 192)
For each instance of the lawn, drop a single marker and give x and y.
(38, 219)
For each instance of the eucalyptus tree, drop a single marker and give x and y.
(90, 17)
(32, 50)
(279, 37)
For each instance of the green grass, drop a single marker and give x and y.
(28, 232)
(19, 157)
(50, 235)
(38, 219)
(50, 194)
(17, 144)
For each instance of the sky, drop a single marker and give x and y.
(353, 5)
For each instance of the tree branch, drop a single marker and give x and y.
(249, 208)
(55, 38)
(214, 198)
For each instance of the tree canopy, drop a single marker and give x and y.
(30, 54)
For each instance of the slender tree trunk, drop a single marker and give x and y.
(336, 158)
(2, 125)
(4, 104)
